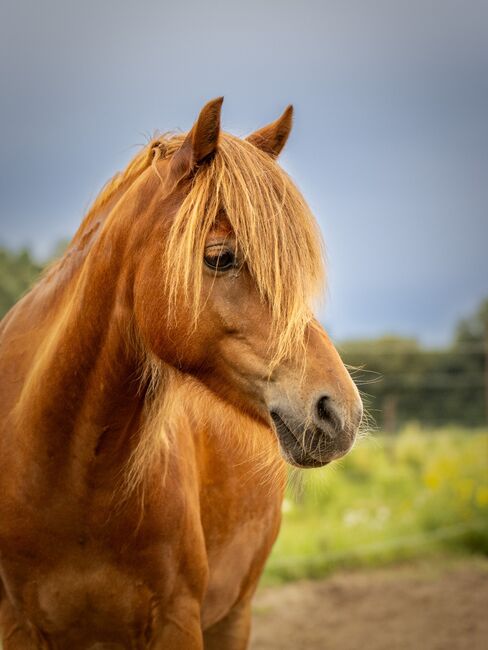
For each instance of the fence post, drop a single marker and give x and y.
(486, 371)
(390, 413)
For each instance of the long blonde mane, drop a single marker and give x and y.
(275, 231)
(276, 234)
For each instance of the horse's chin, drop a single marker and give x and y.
(302, 462)
(306, 448)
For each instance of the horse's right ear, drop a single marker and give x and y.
(200, 143)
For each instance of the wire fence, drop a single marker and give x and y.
(401, 381)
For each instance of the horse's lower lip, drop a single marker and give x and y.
(295, 453)
(282, 429)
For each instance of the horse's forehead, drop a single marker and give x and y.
(221, 227)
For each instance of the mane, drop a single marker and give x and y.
(120, 182)
(276, 235)
(179, 404)
(92, 222)
(275, 231)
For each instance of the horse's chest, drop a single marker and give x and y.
(238, 540)
(77, 607)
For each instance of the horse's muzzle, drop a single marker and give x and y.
(319, 439)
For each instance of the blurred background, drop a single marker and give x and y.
(390, 148)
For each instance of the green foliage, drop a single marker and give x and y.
(391, 498)
(403, 381)
(18, 272)
(473, 330)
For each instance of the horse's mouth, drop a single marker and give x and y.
(302, 448)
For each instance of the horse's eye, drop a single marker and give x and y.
(220, 260)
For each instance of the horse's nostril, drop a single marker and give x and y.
(324, 410)
(328, 414)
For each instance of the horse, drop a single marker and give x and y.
(156, 383)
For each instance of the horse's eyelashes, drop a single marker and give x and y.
(221, 260)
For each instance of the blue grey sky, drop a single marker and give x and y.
(390, 143)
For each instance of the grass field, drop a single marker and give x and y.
(392, 498)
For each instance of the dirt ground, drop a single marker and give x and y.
(413, 607)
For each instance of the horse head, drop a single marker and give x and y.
(224, 289)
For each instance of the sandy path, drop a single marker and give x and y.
(415, 607)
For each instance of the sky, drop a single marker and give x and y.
(389, 145)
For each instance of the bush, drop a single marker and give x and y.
(391, 498)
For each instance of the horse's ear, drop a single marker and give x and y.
(272, 138)
(201, 141)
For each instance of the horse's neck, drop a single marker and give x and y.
(80, 398)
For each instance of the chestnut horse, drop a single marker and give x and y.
(152, 384)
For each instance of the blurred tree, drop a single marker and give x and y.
(18, 272)
(472, 330)
(472, 338)
(402, 381)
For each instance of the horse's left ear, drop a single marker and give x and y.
(272, 138)
(200, 143)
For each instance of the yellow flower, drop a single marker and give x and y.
(482, 495)
(464, 488)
